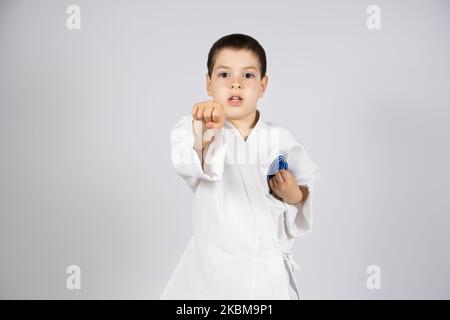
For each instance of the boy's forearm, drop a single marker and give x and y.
(200, 144)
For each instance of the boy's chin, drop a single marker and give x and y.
(234, 113)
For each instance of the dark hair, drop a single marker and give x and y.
(237, 41)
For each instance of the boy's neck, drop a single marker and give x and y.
(246, 124)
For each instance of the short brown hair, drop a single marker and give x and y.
(237, 41)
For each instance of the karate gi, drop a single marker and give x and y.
(242, 234)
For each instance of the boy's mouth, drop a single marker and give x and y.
(235, 100)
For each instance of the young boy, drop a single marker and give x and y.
(252, 183)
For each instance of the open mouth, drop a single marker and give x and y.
(235, 100)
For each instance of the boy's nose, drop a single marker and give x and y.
(236, 85)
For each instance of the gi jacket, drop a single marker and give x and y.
(241, 232)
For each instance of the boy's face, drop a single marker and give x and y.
(236, 72)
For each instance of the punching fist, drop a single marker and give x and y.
(210, 113)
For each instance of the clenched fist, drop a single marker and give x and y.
(210, 113)
(284, 186)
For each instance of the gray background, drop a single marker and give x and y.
(85, 167)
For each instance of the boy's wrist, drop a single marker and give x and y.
(295, 197)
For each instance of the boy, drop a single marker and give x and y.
(246, 214)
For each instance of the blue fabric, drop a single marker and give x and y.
(279, 163)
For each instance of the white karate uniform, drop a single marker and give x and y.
(242, 235)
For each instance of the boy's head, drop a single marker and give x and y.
(236, 67)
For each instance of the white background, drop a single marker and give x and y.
(85, 171)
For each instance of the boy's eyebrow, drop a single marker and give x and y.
(245, 68)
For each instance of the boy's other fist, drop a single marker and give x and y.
(210, 113)
(283, 185)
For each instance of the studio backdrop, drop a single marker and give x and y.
(90, 204)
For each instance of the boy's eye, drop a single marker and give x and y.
(247, 75)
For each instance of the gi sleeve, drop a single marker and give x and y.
(299, 217)
(186, 160)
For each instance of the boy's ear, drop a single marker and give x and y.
(208, 85)
(264, 81)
